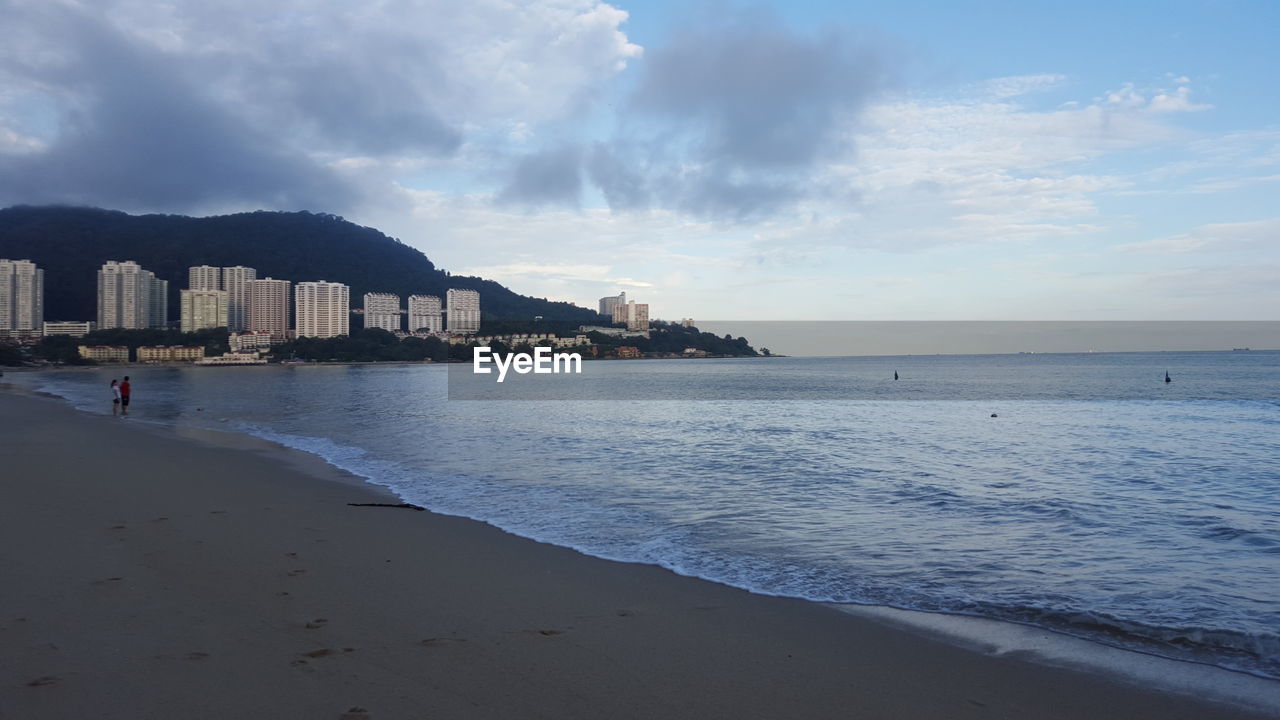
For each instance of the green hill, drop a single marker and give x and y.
(71, 243)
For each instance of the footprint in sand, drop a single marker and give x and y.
(325, 652)
(433, 642)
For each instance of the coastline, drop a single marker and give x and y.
(205, 574)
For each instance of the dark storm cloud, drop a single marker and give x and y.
(542, 178)
(358, 106)
(756, 96)
(735, 118)
(624, 187)
(146, 128)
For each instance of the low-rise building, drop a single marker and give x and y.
(74, 328)
(250, 341)
(628, 351)
(612, 331)
(233, 359)
(105, 353)
(170, 353)
(575, 341)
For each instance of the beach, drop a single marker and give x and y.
(152, 575)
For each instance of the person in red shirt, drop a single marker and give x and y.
(125, 389)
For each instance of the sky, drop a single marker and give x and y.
(718, 160)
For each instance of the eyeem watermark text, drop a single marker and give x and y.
(541, 362)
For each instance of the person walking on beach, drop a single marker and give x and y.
(124, 391)
(115, 398)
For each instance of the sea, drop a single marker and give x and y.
(1074, 493)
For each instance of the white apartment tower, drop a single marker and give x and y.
(202, 309)
(382, 310)
(634, 314)
(424, 313)
(463, 309)
(610, 303)
(269, 307)
(232, 280)
(21, 297)
(322, 309)
(204, 277)
(235, 280)
(130, 297)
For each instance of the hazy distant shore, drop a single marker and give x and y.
(151, 575)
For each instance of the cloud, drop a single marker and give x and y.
(1177, 101)
(548, 177)
(731, 119)
(982, 167)
(1016, 85)
(137, 135)
(1216, 236)
(624, 186)
(194, 106)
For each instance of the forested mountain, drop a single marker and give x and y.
(71, 243)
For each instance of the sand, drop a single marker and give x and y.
(148, 575)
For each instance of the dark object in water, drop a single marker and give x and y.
(895, 374)
(1166, 376)
(994, 415)
(409, 506)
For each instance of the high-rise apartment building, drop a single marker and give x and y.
(21, 297)
(203, 309)
(463, 311)
(232, 280)
(204, 277)
(159, 316)
(269, 307)
(608, 304)
(322, 309)
(424, 313)
(130, 297)
(634, 314)
(382, 310)
(235, 280)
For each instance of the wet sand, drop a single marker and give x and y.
(150, 575)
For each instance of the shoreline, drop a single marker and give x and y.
(771, 356)
(830, 662)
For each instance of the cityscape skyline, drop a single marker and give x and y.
(132, 297)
